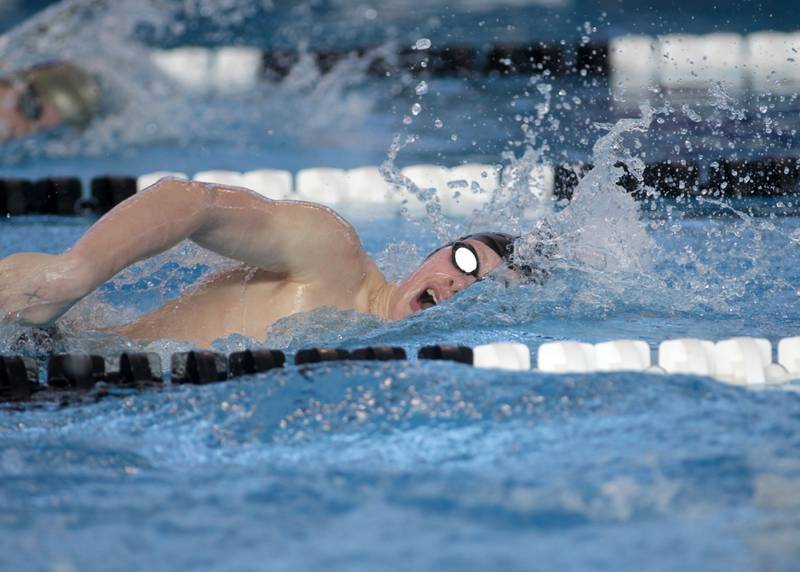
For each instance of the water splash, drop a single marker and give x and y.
(600, 229)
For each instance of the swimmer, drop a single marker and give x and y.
(47, 96)
(295, 257)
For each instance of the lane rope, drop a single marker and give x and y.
(461, 189)
(742, 361)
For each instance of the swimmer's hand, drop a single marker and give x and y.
(35, 288)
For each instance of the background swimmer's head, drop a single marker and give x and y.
(74, 92)
(452, 268)
(23, 111)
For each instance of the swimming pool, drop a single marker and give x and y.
(415, 465)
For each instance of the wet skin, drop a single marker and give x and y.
(248, 300)
(295, 257)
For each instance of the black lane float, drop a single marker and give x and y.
(76, 374)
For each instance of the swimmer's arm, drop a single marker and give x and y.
(294, 240)
(288, 238)
(37, 288)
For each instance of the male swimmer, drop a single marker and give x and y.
(295, 256)
(47, 96)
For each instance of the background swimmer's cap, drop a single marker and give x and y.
(73, 92)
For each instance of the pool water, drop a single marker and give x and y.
(414, 465)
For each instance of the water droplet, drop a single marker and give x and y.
(416, 108)
(422, 88)
(438, 123)
(422, 44)
(407, 120)
(454, 137)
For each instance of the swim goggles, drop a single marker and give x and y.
(29, 104)
(465, 258)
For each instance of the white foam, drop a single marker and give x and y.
(566, 357)
(687, 355)
(622, 355)
(699, 62)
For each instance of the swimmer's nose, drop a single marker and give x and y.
(457, 284)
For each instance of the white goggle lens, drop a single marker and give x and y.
(465, 260)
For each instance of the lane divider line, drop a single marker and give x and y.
(461, 189)
(763, 61)
(742, 361)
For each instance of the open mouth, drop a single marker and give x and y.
(427, 299)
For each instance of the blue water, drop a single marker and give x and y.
(421, 465)
(434, 466)
(408, 467)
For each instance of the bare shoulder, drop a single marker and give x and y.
(323, 240)
(300, 241)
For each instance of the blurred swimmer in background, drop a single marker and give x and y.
(47, 96)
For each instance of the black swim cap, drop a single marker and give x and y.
(500, 242)
(503, 245)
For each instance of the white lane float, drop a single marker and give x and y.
(369, 190)
(566, 357)
(773, 62)
(744, 361)
(235, 69)
(228, 70)
(633, 61)
(507, 356)
(699, 62)
(622, 355)
(324, 185)
(687, 356)
(765, 62)
(789, 355)
(274, 184)
(364, 188)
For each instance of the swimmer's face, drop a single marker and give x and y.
(22, 111)
(439, 278)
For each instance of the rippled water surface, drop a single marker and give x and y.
(419, 465)
(415, 465)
